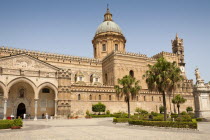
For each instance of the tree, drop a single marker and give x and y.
(128, 88)
(178, 99)
(176, 77)
(158, 79)
(98, 107)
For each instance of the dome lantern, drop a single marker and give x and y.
(108, 37)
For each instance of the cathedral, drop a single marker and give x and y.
(36, 83)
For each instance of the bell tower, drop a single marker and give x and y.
(178, 48)
(108, 37)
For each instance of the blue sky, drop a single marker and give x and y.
(68, 27)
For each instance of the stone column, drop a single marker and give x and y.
(56, 108)
(5, 109)
(35, 106)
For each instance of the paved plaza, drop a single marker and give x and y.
(99, 129)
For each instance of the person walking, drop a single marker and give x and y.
(46, 116)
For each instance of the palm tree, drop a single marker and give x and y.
(178, 99)
(176, 77)
(128, 88)
(158, 79)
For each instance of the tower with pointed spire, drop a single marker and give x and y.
(178, 48)
(108, 37)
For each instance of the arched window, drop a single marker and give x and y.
(90, 97)
(110, 97)
(116, 47)
(137, 98)
(75, 78)
(159, 98)
(91, 79)
(99, 97)
(144, 98)
(104, 47)
(152, 98)
(131, 73)
(79, 97)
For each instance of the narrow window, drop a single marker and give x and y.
(99, 97)
(116, 47)
(80, 78)
(110, 97)
(96, 79)
(90, 97)
(131, 73)
(152, 98)
(144, 98)
(104, 47)
(159, 98)
(91, 78)
(79, 98)
(137, 98)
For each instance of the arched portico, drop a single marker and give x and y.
(47, 95)
(21, 90)
(2, 100)
(21, 79)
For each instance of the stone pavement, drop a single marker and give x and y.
(100, 129)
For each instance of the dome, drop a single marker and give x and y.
(108, 26)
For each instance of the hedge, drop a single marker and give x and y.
(199, 119)
(192, 125)
(121, 120)
(6, 124)
(100, 116)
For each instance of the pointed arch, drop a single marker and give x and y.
(50, 85)
(21, 79)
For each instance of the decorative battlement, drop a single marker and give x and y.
(129, 54)
(92, 88)
(14, 51)
(163, 53)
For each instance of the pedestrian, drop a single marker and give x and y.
(46, 116)
(24, 115)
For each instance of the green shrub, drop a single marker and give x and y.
(183, 113)
(141, 111)
(107, 112)
(121, 120)
(189, 108)
(17, 122)
(174, 116)
(120, 115)
(192, 115)
(199, 119)
(154, 113)
(87, 113)
(98, 107)
(192, 125)
(183, 118)
(158, 118)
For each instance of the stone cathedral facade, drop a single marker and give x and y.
(36, 83)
